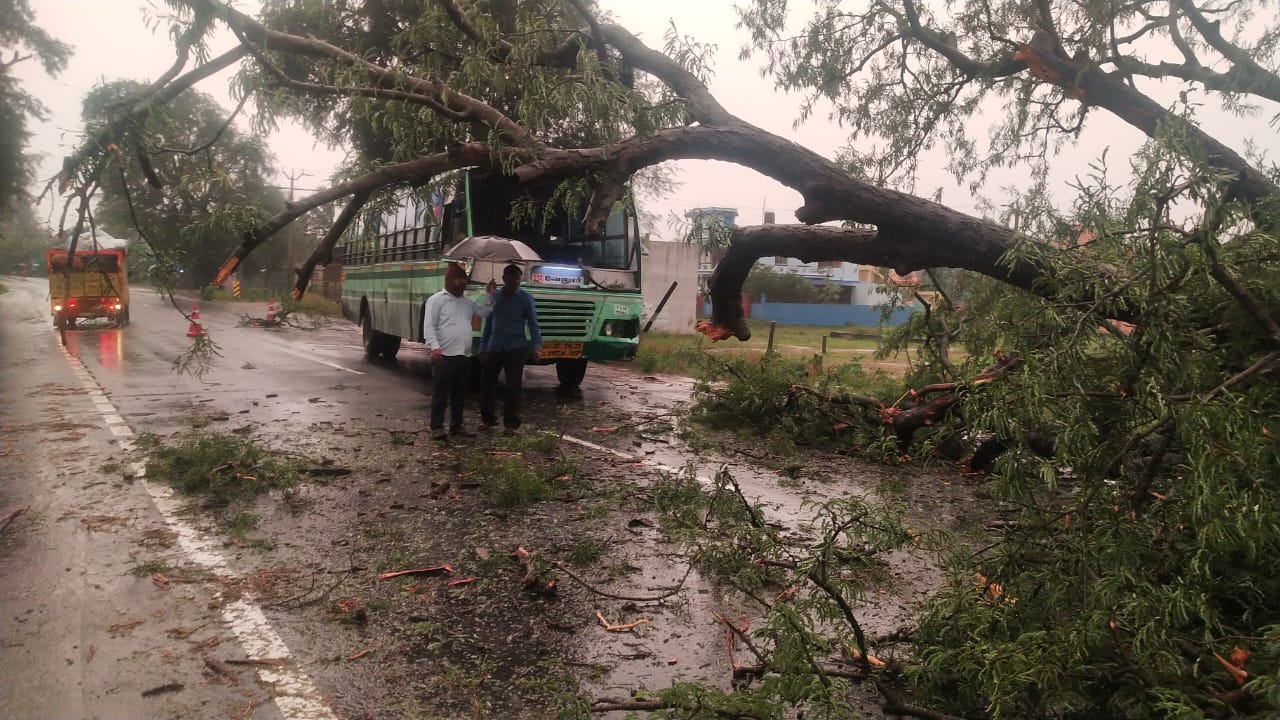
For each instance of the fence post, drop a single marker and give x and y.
(773, 324)
(824, 344)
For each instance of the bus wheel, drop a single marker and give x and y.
(571, 372)
(124, 316)
(390, 346)
(377, 343)
(367, 335)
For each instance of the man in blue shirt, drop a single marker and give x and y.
(502, 348)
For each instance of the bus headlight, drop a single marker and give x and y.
(620, 328)
(57, 308)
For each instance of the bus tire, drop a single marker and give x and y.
(124, 316)
(571, 372)
(368, 338)
(390, 346)
(377, 343)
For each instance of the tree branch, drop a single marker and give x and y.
(423, 168)
(1240, 60)
(322, 253)
(390, 79)
(137, 112)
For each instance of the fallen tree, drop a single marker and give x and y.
(1143, 318)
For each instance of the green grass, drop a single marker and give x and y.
(585, 552)
(3, 289)
(224, 470)
(150, 567)
(530, 472)
(680, 354)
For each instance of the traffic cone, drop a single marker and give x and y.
(271, 311)
(194, 330)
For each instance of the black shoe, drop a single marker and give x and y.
(510, 430)
(488, 423)
(439, 434)
(461, 432)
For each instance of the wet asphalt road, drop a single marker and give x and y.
(87, 629)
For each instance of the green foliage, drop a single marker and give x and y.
(226, 471)
(777, 286)
(150, 567)
(209, 196)
(21, 39)
(525, 470)
(806, 627)
(1147, 544)
(22, 242)
(759, 396)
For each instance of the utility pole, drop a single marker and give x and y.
(293, 178)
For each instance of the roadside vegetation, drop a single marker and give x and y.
(226, 473)
(682, 354)
(520, 470)
(308, 305)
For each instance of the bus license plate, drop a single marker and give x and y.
(557, 350)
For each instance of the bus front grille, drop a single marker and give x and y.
(562, 317)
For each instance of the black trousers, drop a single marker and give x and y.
(510, 362)
(448, 390)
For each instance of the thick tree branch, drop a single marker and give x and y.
(906, 252)
(1090, 84)
(423, 168)
(322, 253)
(1240, 59)
(137, 112)
(1232, 81)
(389, 79)
(936, 42)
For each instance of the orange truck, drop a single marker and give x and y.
(91, 283)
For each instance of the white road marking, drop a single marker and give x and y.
(324, 362)
(294, 694)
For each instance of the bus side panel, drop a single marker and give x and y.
(357, 285)
(398, 318)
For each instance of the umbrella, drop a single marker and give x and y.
(492, 247)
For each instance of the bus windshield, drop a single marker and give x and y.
(556, 236)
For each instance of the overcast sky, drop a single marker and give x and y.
(113, 39)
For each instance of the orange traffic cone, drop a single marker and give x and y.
(271, 311)
(194, 329)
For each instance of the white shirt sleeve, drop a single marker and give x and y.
(430, 318)
(484, 309)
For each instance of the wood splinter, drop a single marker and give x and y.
(620, 628)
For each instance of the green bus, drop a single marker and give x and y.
(587, 290)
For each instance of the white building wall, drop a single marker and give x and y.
(664, 263)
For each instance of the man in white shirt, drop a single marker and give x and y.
(446, 327)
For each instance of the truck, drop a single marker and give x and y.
(91, 282)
